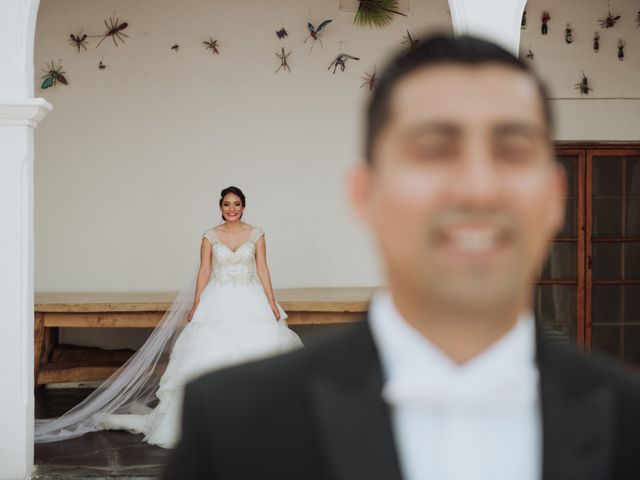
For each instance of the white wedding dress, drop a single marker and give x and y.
(233, 323)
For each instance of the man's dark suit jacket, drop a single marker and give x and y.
(317, 413)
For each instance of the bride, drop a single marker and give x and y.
(233, 317)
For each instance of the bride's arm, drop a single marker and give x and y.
(203, 273)
(263, 274)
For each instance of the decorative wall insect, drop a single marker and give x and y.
(610, 20)
(583, 85)
(283, 61)
(545, 20)
(369, 80)
(175, 47)
(638, 19)
(378, 13)
(79, 40)
(53, 75)
(621, 50)
(281, 33)
(212, 45)
(114, 30)
(101, 65)
(523, 22)
(596, 42)
(530, 55)
(568, 34)
(412, 42)
(315, 34)
(341, 61)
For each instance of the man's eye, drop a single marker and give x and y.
(434, 152)
(514, 152)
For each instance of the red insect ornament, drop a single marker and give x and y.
(114, 30)
(545, 20)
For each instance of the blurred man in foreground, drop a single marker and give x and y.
(447, 378)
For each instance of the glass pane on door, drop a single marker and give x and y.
(615, 256)
(570, 164)
(555, 310)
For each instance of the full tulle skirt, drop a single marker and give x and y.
(232, 324)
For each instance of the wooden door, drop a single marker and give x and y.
(559, 292)
(613, 253)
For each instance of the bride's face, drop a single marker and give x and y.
(231, 207)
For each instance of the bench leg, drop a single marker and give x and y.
(45, 341)
(38, 340)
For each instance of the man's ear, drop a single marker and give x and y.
(559, 195)
(359, 186)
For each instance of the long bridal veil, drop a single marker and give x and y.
(132, 388)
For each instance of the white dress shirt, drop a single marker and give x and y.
(476, 421)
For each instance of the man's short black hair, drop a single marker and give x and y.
(435, 50)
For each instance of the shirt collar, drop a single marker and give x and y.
(411, 361)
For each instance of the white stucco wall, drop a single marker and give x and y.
(133, 158)
(611, 112)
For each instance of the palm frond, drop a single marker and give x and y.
(376, 13)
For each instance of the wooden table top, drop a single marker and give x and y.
(348, 299)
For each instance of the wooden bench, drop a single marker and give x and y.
(59, 363)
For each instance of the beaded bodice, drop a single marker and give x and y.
(235, 267)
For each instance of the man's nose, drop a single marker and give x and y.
(476, 179)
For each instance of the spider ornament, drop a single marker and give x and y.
(114, 30)
(609, 21)
(53, 75)
(212, 45)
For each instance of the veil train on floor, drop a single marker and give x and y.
(132, 388)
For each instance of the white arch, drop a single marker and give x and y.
(495, 20)
(19, 115)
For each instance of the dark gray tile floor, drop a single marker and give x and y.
(95, 455)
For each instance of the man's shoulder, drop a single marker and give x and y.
(332, 353)
(583, 371)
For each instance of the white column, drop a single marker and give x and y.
(19, 115)
(17, 121)
(495, 20)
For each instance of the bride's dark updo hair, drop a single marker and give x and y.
(235, 191)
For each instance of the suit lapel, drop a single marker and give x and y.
(352, 420)
(354, 426)
(577, 421)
